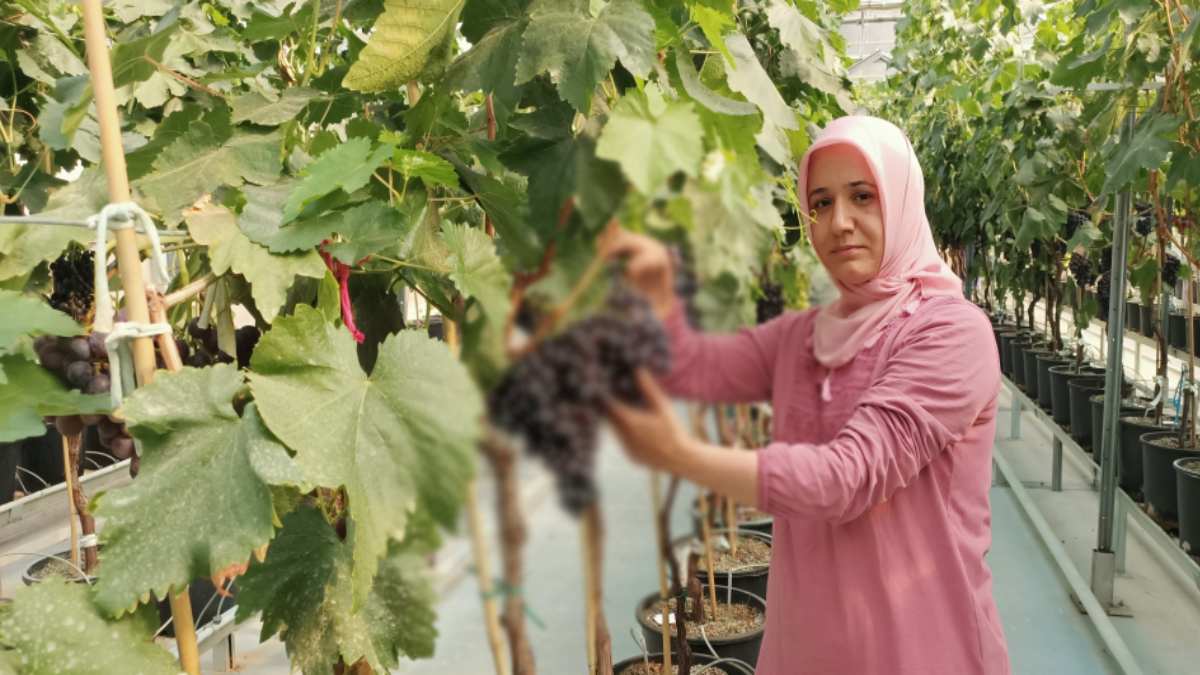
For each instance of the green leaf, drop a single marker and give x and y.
(202, 160)
(702, 94)
(23, 247)
(53, 628)
(197, 506)
(373, 227)
(715, 18)
(347, 166)
(561, 167)
(26, 315)
(404, 40)
(29, 393)
(652, 141)
(230, 250)
(305, 592)
(430, 168)
(256, 108)
(490, 65)
(810, 57)
(1148, 148)
(476, 270)
(400, 439)
(749, 79)
(579, 50)
(509, 210)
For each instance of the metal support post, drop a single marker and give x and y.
(1014, 430)
(1056, 466)
(1103, 558)
(1119, 536)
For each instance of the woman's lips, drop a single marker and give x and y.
(848, 250)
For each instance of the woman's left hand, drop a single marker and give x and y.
(652, 434)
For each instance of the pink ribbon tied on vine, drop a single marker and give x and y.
(341, 272)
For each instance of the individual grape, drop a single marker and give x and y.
(246, 339)
(108, 430)
(199, 359)
(44, 342)
(121, 447)
(68, 425)
(771, 303)
(1144, 224)
(135, 465)
(99, 384)
(79, 373)
(1081, 269)
(183, 348)
(77, 349)
(52, 359)
(1170, 271)
(1076, 218)
(89, 420)
(97, 346)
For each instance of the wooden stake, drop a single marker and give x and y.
(599, 641)
(73, 517)
(129, 261)
(491, 614)
(664, 587)
(706, 535)
(589, 598)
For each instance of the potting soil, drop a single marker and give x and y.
(751, 553)
(729, 621)
(53, 567)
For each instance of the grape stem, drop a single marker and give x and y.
(546, 327)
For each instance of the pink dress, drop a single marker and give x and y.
(880, 494)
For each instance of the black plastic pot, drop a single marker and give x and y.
(743, 647)
(763, 525)
(1158, 473)
(42, 456)
(10, 457)
(1129, 456)
(1006, 338)
(200, 591)
(1060, 393)
(1128, 407)
(1017, 349)
(1031, 370)
(1187, 486)
(753, 580)
(1079, 391)
(697, 660)
(1044, 363)
(1177, 331)
(1133, 317)
(1148, 321)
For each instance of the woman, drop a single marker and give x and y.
(884, 404)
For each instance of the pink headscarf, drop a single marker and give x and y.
(911, 268)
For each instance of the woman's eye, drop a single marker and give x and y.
(820, 204)
(863, 197)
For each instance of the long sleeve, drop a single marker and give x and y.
(941, 372)
(733, 367)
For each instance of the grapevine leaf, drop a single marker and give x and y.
(702, 94)
(730, 234)
(53, 627)
(305, 590)
(29, 393)
(24, 247)
(1148, 148)
(405, 39)
(562, 167)
(373, 227)
(750, 79)
(715, 18)
(509, 210)
(430, 168)
(200, 161)
(402, 436)
(256, 108)
(490, 65)
(476, 270)
(25, 315)
(347, 166)
(651, 140)
(481, 16)
(196, 482)
(810, 58)
(230, 250)
(578, 49)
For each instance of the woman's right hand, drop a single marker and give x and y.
(647, 265)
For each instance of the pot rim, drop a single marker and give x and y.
(754, 600)
(1186, 471)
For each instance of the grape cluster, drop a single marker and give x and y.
(1076, 218)
(1106, 259)
(1144, 224)
(71, 274)
(81, 363)
(771, 303)
(553, 398)
(207, 352)
(687, 286)
(1170, 271)
(1103, 291)
(1081, 269)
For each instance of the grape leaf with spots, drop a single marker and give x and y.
(407, 37)
(29, 392)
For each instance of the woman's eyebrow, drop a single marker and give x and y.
(853, 184)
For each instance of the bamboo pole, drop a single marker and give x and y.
(129, 263)
(664, 588)
(589, 599)
(599, 640)
(706, 535)
(73, 516)
(491, 614)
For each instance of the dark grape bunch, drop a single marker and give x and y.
(71, 274)
(1144, 224)
(1105, 259)
(553, 398)
(687, 286)
(1081, 269)
(207, 353)
(771, 303)
(82, 363)
(1170, 271)
(1103, 291)
(1076, 218)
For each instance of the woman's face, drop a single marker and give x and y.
(847, 229)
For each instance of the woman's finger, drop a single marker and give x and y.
(655, 396)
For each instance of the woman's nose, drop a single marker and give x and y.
(840, 220)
